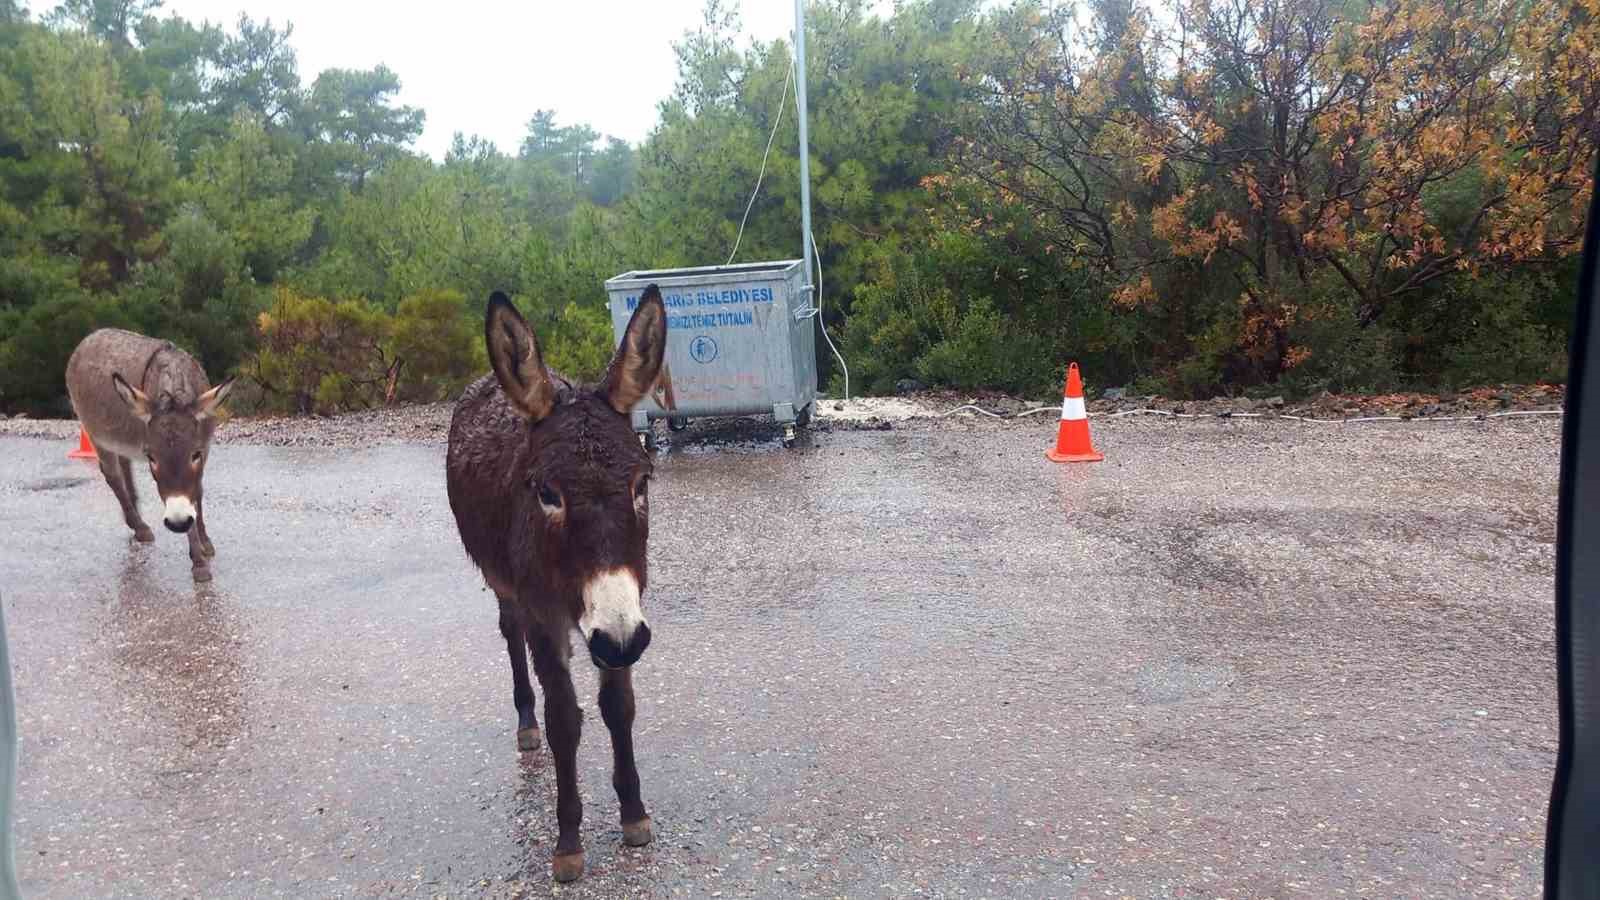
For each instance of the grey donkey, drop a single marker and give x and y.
(139, 397)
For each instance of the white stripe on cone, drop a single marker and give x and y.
(1072, 409)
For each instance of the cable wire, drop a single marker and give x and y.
(973, 407)
(782, 102)
(817, 255)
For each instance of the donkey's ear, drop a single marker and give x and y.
(514, 354)
(206, 405)
(137, 402)
(637, 365)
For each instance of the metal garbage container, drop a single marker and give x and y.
(739, 341)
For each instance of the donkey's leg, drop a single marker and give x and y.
(516, 636)
(563, 722)
(119, 475)
(206, 546)
(616, 708)
(199, 566)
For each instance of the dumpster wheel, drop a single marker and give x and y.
(678, 423)
(802, 420)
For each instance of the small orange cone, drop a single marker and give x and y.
(85, 449)
(1072, 437)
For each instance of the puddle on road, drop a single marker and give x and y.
(750, 434)
(55, 484)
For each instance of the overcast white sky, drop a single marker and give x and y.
(484, 67)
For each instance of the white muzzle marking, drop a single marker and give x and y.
(611, 605)
(179, 509)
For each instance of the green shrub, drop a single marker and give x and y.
(981, 349)
(320, 356)
(892, 323)
(324, 356)
(1336, 353)
(972, 352)
(912, 323)
(578, 341)
(35, 346)
(437, 344)
(1503, 330)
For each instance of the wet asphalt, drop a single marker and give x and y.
(1234, 660)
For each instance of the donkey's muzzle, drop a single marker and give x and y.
(612, 622)
(608, 654)
(179, 514)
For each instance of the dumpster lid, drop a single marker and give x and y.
(703, 274)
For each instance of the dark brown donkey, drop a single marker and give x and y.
(548, 485)
(138, 397)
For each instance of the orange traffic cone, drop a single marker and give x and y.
(1072, 437)
(85, 449)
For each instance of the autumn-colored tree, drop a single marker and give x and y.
(1265, 148)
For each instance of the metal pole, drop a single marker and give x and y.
(8, 769)
(805, 147)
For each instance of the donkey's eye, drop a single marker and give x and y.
(548, 495)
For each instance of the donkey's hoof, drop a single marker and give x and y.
(527, 739)
(637, 834)
(202, 574)
(567, 866)
(144, 535)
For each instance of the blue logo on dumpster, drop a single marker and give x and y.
(703, 348)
